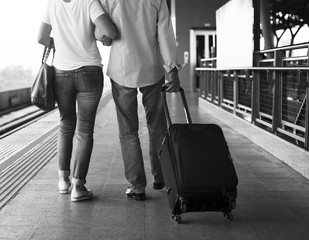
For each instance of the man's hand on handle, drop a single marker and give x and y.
(173, 82)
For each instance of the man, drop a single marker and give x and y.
(141, 55)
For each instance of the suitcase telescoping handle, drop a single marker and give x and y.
(166, 111)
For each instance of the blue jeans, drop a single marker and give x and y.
(127, 114)
(82, 89)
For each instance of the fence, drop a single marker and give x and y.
(14, 99)
(273, 95)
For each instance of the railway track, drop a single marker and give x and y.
(17, 120)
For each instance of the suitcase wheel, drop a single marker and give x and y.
(233, 204)
(228, 215)
(177, 218)
(183, 205)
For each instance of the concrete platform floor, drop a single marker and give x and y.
(272, 203)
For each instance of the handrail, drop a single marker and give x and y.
(284, 48)
(295, 58)
(14, 89)
(208, 59)
(253, 68)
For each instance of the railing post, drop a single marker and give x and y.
(212, 83)
(235, 91)
(307, 116)
(217, 87)
(202, 83)
(255, 95)
(307, 107)
(276, 102)
(276, 107)
(209, 85)
(220, 88)
(248, 81)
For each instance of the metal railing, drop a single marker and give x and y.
(273, 95)
(14, 99)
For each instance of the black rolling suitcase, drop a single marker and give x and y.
(197, 167)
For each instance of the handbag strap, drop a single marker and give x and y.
(47, 50)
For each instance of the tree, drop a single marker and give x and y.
(14, 77)
(288, 14)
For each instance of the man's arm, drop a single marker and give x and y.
(105, 30)
(168, 48)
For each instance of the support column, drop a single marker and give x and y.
(267, 31)
(256, 30)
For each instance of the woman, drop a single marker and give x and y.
(78, 81)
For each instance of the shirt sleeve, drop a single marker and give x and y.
(167, 39)
(45, 17)
(105, 5)
(95, 10)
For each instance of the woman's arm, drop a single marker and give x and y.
(44, 34)
(104, 28)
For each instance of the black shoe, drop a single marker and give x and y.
(136, 196)
(158, 185)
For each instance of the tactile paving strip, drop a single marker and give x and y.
(24, 139)
(24, 153)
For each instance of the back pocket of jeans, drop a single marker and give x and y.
(93, 81)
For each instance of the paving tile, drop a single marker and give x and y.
(20, 220)
(272, 203)
(120, 217)
(14, 232)
(116, 233)
(61, 232)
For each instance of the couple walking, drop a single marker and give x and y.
(143, 52)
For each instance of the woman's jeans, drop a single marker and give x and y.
(127, 114)
(82, 89)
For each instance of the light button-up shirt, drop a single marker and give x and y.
(145, 48)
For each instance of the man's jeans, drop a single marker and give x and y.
(83, 86)
(127, 113)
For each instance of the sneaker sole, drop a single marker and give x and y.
(64, 191)
(81, 199)
(137, 198)
(158, 186)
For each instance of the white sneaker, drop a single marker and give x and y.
(64, 185)
(80, 193)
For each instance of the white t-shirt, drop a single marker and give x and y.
(73, 32)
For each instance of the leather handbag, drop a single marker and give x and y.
(42, 90)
